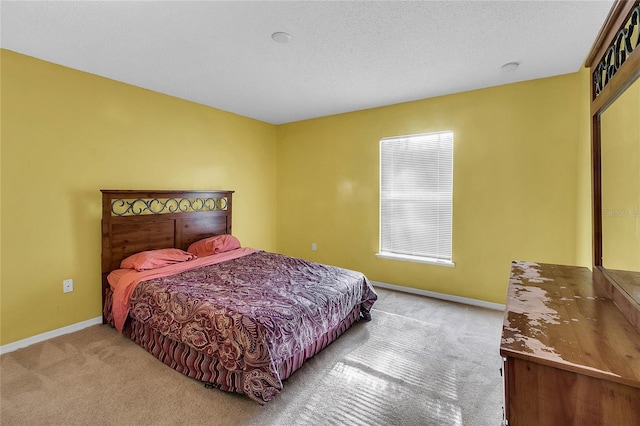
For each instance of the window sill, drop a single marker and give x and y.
(416, 259)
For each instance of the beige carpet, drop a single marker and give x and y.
(436, 364)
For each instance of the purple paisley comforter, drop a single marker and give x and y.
(252, 313)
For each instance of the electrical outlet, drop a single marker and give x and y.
(313, 246)
(67, 285)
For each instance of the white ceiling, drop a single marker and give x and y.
(343, 56)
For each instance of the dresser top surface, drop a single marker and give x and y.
(556, 316)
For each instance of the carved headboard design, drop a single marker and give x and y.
(134, 221)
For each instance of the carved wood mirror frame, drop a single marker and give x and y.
(614, 62)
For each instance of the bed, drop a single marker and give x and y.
(178, 283)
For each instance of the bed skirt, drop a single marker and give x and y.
(208, 369)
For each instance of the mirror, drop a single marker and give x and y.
(620, 190)
(614, 62)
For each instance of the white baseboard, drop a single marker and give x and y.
(443, 296)
(10, 347)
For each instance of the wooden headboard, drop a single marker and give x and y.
(134, 221)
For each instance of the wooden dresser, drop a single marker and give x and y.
(570, 356)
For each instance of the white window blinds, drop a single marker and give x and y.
(416, 196)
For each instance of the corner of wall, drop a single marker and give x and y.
(584, 214)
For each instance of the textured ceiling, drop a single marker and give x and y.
(343, 56)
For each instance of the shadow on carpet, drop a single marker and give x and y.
(395, 370)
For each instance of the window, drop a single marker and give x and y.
(416, 198)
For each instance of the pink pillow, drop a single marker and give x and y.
(153, 259)
(213, 245)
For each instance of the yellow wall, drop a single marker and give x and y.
(521, 181)
(584, 204)
(519, 169)
(67, 134)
